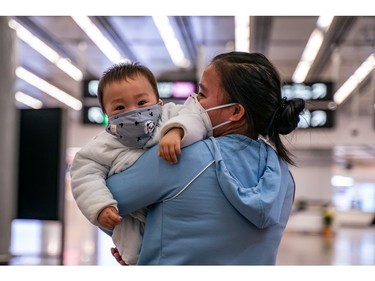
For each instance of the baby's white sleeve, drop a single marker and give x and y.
(88, 174)
(192, 124)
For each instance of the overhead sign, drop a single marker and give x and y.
(176, 89)
(94, 115)
(90, 88)
(319, 118)
(314, 91)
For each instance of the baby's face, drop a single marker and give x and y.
(128, 95)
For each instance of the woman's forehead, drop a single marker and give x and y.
(210, 78)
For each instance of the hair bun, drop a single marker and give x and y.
(288, 116)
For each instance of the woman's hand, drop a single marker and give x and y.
(117, 256)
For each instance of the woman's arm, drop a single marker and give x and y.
(151, 179)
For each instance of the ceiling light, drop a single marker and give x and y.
(98, 38)
(45, 50)
(308, 56)
(47, 88)
(242, 33)
(170, 41)
(357, 77)
(301, 71)
(28, 100)
(324, 22)
(312, 48)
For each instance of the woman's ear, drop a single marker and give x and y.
(237, 113)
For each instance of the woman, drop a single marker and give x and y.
(228, 199)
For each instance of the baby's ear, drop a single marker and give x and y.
(160, 102)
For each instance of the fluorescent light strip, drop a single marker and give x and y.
(48, 88)
(28, 100)
(170, 41)
(312, 48)
(98, 38)
(308, 56)
(242, 33)
(355, 79)
(46, 51)
(324, 22)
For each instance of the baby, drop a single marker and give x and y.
(129, 96)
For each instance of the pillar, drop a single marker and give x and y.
(9, 136)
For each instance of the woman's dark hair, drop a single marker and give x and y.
(125, 71)
(251, 80)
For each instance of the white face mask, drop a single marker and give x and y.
(195, 106)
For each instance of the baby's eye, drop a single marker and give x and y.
(142, 102)
(120, 107)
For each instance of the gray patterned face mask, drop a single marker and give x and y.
(134, 128)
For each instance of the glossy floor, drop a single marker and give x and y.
(348, 246)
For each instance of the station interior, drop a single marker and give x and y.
(50, 69)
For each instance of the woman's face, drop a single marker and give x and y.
(212, 94)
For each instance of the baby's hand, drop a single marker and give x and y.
(109, 217)
(170, 145)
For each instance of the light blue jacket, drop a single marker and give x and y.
(233, 213)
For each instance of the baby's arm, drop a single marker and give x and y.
(182, 129)
(170, 145)
(88, 173)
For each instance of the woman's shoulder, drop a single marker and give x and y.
(234, 147)
(236, 141)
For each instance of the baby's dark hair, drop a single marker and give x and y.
(124, 71)
(251, 80)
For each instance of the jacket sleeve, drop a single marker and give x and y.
(149, 180)
(88, 173)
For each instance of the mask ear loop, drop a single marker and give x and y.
(221, 124)
(221, 106)
(218, 107)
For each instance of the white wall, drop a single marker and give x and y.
(313, 182)
(79, 134)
